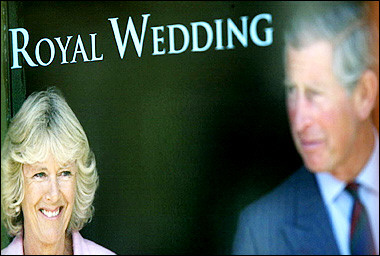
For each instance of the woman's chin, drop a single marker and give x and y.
(51, 237)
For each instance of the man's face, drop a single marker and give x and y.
(321, 113)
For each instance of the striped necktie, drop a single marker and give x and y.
(361, 240)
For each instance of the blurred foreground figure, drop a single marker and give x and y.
(331, 205)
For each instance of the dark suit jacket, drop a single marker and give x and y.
(292, 219)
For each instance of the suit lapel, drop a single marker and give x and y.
(310, 232)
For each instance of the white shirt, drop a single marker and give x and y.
(339, 203)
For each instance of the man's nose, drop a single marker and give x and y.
(302, 113)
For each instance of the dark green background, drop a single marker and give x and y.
(183, 142)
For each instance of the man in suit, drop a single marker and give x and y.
(331, 91)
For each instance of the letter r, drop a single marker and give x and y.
(16, 50)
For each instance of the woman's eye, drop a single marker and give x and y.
(39, 175)
(66, 173)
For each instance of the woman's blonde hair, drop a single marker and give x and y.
(46, 124)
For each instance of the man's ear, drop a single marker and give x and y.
(365, 93)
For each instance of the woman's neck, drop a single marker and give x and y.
(33, 246)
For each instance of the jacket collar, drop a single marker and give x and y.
(310, 232)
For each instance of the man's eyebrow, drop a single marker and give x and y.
(310, 85)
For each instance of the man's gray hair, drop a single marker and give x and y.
(345, 26)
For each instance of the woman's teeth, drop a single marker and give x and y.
(49, 213)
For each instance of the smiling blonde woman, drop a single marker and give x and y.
(48, 179)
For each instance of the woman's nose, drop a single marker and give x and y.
(53, 190)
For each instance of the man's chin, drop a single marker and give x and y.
(315, 167)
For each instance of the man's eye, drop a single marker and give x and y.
(289, 89)
(311, 94)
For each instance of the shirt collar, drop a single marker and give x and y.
(331, 187)
(369, 176)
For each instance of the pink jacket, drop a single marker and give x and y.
(81, 246)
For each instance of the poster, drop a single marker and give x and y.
(183, 104)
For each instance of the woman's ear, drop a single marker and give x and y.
(365, 94)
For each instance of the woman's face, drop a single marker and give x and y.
(48, 200)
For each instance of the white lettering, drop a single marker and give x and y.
(52, 51)
(157, 40)
(160, 43)
(209, 32)
(242, 37)
(121, 46)
(63, 49)
(268, 31)
(93, 49)
(81, 51)
(16, 50)
(186, 38)
(219, 45)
